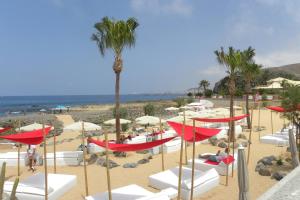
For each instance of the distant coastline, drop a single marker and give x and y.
(28, 104)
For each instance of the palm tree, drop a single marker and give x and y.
(115, 35)
(204, 84)
(249, 71)
(232, 61)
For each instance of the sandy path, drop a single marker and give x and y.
(121, 177)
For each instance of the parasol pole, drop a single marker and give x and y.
(272, 122)
(162, 147)
(259, 120)
(19, 148)
(180, 160)
(227, 166)
(250, 134)
(84, 161)
(107, 167)
(45, 162)
(193, 161)
(54, 151)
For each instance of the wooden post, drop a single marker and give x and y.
(19, 148)
(180, 160)
(272, 122)
(228, 147)
(107, 167)
(84, 161)
(250, 135)
(45, 163)
(193, 161)
(162, 147)
(259, 120)
(54, 151)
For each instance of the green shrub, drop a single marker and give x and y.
(149, 109)
(279, 162)
(208, 93)
(179, 101)
(124, 127)
(199, 94)
(189, 94)
(123, 112)
(190, 100)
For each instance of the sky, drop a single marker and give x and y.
(46, 47)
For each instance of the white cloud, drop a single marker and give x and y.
(178, 7)
(289, 7)
(279, 58)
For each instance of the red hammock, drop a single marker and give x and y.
(276, 108)
(200, 133)
(32, 137)
(130, 147)
(4, 129)
(236, 118)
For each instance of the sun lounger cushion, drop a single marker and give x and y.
(65, 158)
(130, 192)
(58, 184)
(220, 167)
(203, 181)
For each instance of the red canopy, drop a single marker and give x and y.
(276, 108)
(4, 129)
(32, 137)
(236, 118)
(130, 147)
(200, 133)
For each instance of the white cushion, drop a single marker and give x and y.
(27, 188)
(200, 179)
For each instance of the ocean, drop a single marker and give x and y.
(18, 104)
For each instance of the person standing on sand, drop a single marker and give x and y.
(31, 153)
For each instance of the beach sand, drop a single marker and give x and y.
(122, 177)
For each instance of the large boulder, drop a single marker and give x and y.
(259, 166)
(267, 160)
(264, 172)
(278, 175)
(130, 165)
(93, 158)
(143, 161)
(222, 144)
(102, 162)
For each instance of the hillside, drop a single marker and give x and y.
(291, 69)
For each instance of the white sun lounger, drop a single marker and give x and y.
(65, 158)
(135, 192)
(93, 148)
(11, 158)
(203, 182)
(172, 146)
(275, 139)
(221, 168)
(33, 188)
(136, 140)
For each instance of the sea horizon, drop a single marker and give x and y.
(31, 103)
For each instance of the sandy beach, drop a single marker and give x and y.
(121, 176)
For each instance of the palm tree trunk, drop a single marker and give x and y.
(248, 91)
(231, 91)
(117, 101)
(118, 65)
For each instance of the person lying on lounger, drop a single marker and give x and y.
(217, 157)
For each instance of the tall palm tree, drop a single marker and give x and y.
(249, 71)
(115, 35)
(204, 84)
(232, 61)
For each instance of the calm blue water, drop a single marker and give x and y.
(35, 103)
